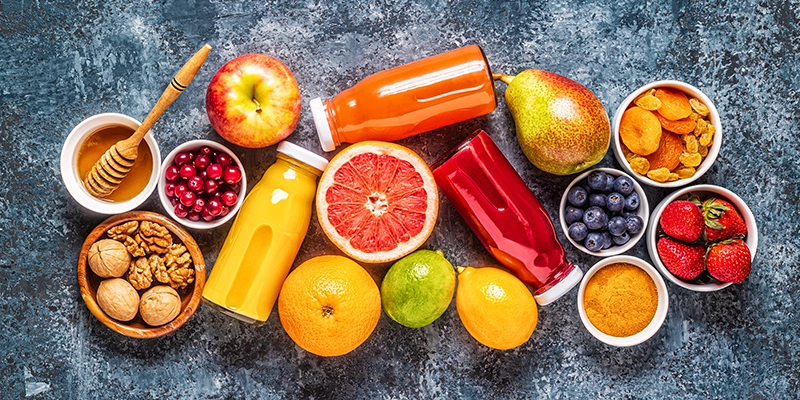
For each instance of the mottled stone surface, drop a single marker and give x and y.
(61, 62)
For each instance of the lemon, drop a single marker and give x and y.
(418, 288)
(497, 309)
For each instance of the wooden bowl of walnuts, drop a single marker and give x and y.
(141, 274)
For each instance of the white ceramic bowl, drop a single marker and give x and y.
(692, 91)
(162, 181)
(658, 318)
(643, 212)
(69, 164)
(702, 191)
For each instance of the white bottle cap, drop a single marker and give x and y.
(303, 155)
(321, 122)
(561, 288)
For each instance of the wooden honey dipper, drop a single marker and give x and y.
(107, 173)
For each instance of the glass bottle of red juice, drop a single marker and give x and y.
(509, 220)
(407, 100)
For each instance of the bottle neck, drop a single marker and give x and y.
(333, 122)
(299, 165)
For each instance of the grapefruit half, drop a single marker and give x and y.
(377, 201)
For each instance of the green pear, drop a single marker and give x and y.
(562, 126)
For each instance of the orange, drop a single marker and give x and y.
(497, 309)
(329, 305)
(377, 201)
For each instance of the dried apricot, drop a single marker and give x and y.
(648, 102)
(674, 104)
(691, 143)
(640, 130)
(681, 126)
(685, 172)
(659, 175)
(639, 164)
(698, 106)
(691, 160)
(669, 152)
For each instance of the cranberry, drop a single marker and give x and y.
(236, 187)
(180, 190)
(199, 205)
(171, 173)
(229, 198)
(211, 186)
(203, 175)
(201, 162)
(225, 211)
(174, 201)
(231, 174)
(224, 159)
(214, 207)
(214, 171)
(206, 151)
(169, 189)
(188, 198)
(207, 216)
(181, 211)
(194, 216)
(183, 158)
(196, 183)
(187, 171)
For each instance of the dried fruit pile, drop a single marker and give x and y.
(704, 236)
(666, 135)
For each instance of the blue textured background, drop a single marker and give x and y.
(62, 62)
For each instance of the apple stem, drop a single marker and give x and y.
(502, 77)
(258, 106)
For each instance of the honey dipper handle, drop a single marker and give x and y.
(173, 90)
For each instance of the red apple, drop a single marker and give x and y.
(253, 101)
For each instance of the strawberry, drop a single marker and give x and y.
(682, 220)
(729, 261)
(684, 260)
(722, 222)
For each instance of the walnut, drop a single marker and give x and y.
(160, 305)
(177, 269)
(120, 231)
(158, 268)
(153, 238)
(117, 298)
(139, 274)
(108, 258)
(133, 247)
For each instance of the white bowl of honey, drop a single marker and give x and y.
(86, 144)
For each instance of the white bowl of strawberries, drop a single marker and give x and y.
(703, 238)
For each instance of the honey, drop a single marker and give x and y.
(98, 142)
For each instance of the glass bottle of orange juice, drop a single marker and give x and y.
(265, 237)
(407, 100)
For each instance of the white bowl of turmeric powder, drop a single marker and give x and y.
(623, 301)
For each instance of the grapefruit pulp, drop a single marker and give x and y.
(377, 201)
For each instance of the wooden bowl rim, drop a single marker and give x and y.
(175, 229)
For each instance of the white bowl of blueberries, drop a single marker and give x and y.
(604, 212)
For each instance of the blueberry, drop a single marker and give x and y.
(594, 241)
(626, 213)
(624, 185)
(634, 224)
(577, 196)
(632, 201)
(597, 199)
(578, 231)
(609, 183)
(573, 214)
(595, 218)
(615, 202)
(617, 226)
(621, 239)
(606, 240)
(597, 180)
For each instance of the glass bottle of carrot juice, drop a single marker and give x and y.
(265, 237)
(407, 100)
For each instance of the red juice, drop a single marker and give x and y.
(509, 220)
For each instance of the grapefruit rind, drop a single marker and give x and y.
(379, 148)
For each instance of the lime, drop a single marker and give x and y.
(418, 288)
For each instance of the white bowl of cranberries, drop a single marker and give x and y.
(703, 238)
(202, 184)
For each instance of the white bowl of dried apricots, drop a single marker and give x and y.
(667, 134)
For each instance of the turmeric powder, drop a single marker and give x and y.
(620, 299)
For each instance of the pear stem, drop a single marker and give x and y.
(503, 77)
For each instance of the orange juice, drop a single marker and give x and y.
(407, 100)
(265, 237)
